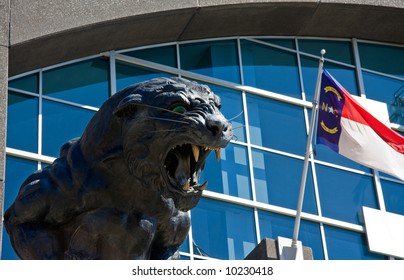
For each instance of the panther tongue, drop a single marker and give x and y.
(183, 170)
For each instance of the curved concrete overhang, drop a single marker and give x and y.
(44, 32)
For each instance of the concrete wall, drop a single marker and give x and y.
(4, 41)
(45, 32)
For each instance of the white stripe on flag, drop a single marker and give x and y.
(360, 143)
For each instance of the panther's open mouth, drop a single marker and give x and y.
(184, 164)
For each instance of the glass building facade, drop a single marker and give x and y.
(267, 86)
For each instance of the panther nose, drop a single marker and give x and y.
(217, 124)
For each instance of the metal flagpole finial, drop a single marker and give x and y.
(322, 52)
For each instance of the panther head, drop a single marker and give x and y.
(165, 129)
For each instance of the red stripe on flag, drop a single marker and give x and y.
(354, 111)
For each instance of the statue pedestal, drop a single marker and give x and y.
(268, 249)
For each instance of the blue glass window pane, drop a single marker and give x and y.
(29, 83)
(345, 76)
(382, 88)
(216, 229)
(127, 75)
(198, 251)
(232, 109)
(335, 50)
(17, 170)
(270, 69)
(276, 125)
(277, 181)
(387, 90)
(230, 175)
(347, 245)
(385, 59)
(163, 55)
(393, 194)
(216, 59)
(185, 246)
(343, 193)
(275, 225)
(83, 82)
(60, 124)
(287, 43)
(22, 122)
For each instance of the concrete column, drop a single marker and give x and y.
(267, 249)
(4, 44)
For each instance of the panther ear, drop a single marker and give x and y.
(127, 105)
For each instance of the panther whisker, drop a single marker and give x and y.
(237, 127)
(165, 119)
(165, 130)
(235, 117)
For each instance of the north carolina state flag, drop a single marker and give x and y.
(348, 129)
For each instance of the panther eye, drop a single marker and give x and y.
(179, 109)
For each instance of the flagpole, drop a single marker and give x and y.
(309, 151)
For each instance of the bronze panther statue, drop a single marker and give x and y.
(121, 190)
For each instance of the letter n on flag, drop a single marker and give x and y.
(348, 129)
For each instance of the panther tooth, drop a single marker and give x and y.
(195, 151)
(185, 187)
(201, 188)
(217, 152)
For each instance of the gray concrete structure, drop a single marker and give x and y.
(4, 40)
(267, 249)
(39, 33)
(47, 32)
